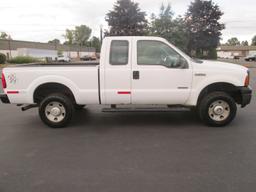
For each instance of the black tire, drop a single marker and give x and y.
(79, 107)
(65, 103)
(206, 104)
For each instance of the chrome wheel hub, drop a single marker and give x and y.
(55, 112)
(219, 110)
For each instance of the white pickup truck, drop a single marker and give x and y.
(133, 71)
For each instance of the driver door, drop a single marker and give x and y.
(157, 74)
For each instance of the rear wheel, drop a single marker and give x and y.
(217, 109)
(56, 110)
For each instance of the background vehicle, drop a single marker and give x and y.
(63, 59)
(88, 58)
(132, 71)
(236, 56)
(251, 58)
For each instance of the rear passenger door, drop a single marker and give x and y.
(117, 72)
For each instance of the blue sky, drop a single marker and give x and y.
(45, 20)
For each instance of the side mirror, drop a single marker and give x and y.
(183, 63)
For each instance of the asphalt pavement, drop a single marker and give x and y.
(127, 152)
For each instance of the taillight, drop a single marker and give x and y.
(3, 81)
(247, 80)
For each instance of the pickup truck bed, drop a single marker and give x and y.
(80, 78)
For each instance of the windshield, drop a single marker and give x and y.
(195, 60)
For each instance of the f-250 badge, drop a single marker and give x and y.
(12, 78)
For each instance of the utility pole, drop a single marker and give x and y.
(9, 45)
(101, 34)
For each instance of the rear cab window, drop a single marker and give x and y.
(119, 52)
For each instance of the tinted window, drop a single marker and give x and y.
(119, 52)
(158, 53)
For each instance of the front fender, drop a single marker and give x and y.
(200, 83)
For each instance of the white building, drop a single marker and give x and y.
(229, 52)
(37, 53)
(12, 48)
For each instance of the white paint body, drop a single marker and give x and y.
(157, 85)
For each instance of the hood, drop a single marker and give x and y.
(217, 65)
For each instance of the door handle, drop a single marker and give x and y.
(136, 75)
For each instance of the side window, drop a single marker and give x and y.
(158, 53)
(119, 52)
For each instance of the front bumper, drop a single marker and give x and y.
(4, 98)
(246, 95)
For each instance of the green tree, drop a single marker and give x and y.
(162, 23)
(126, 19)
(244, 43)
(4, 35)
(254, 41)
(69, 36)
(82, 34)
(172, 29)
(95, 42)
(233, 42)
(202, 20)
(60, 53)
(2, 58)
(55, 41)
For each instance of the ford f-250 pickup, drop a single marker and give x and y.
(132, 71)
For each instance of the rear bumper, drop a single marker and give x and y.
(4, 98)
(246, 95)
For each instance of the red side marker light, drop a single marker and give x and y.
(12, 92)
(124, 92)
(4, 85)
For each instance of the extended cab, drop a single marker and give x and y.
(132, 71)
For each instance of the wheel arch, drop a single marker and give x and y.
(45, 89)
(228, 88)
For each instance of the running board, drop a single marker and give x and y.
(174, 109)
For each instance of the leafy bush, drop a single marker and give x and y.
(23, 59)
(60, 53)
(207, 54)
(199, 54)
(2, 58)
(212, 54)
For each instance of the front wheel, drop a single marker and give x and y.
(217, 109)
(56, 110)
